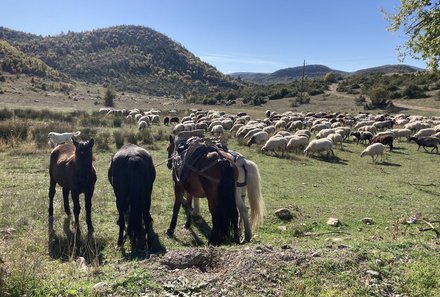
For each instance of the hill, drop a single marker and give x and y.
(130, 58)
(285, 75)
(399, 68)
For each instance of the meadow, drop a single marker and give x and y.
(304, 256)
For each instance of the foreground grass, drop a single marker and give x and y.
(41, 262)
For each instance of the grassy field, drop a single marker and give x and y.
(301, 257)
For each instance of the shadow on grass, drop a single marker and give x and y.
(333, 160)
(390, 164)
(72, 245)
(202, 226)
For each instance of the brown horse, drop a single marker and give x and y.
(71, 166)
(212, 175)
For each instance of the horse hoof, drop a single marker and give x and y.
(187, 225)
(169, 233)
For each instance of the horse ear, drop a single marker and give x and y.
(171, 138)
(91, 142)
(75, 143)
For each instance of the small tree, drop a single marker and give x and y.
(109, 97)
(378, 96)
(330, 77)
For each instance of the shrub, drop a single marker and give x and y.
(88, 133)
(413, 92)
(119, 139)
(145, 136)
(109, 97)
(103, 141)
(6, 114)
(378, 96)
(359, 100)
(133, 137)
(40, 132)
(117, 122)
(14, 130)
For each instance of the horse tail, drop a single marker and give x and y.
(77, 133)
(136, 201)
(226, 213)
(258, 208)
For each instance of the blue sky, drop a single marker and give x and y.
(234, 35)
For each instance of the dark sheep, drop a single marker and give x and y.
(362, 136)
(166, 121)
(385, 140)
(427, 141)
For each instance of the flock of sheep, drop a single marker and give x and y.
(308, 133)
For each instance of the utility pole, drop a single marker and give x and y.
(302, 80)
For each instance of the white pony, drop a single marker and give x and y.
(59, 138)
(248, 181)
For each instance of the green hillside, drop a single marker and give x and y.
(131, 58)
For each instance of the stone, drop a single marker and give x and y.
(333, 222)
(99, 286)
(368, 221)
(373, 273)
(284, 214)
(81, 263)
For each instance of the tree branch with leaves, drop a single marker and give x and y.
(419, 20)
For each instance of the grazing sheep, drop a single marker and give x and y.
(399, 133)
(344, 131)
(142, 125)
(384, 139)
(362, 136)
(258, 138)
(318, 127)
(269, 129)
(374, 150)
(336, 138)
(426, 141)
(297, 143)
(324, 133)
(424, 132)
(178, 128)
(436, 135)
(166, 121)
(319, 145)
(59, 138)
(275, 144)
(217, 130)
(369, 128)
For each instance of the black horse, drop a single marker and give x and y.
(132, 175)
(71, 166)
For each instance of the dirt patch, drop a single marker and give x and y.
(218, 272)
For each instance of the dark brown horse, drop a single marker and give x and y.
(211, 175)
(71, 166)
(132, 174)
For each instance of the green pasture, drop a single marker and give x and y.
(36, 261)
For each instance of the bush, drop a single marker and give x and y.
(133, 137)
(88, 133)
(378, 96)
(109, 97)
(117, 122)
(413, 92)
(6, 114)
(359, 100)
(14, 130)
(119, 139)
(103, 141)
(40, 132)
(145, 136)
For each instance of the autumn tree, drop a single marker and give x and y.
(420, 21)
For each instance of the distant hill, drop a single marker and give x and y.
(132, 58)
(286, 75)
(399, 68)
(290, 74)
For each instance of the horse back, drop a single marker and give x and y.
(61, 164)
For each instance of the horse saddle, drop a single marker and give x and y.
(189, 152)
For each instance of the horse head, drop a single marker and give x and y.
(83, 152)
(170, 150)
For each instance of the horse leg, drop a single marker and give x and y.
(178, 194)
(76, 208)
(244, 217)
(188, 210)
(88, 199)
(66, 201)
(51, 195)
(196, 208)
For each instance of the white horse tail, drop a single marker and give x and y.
(77, 133)
(258, 208)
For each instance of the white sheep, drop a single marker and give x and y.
(399, 133)
(374, 151)
(424, 132)
(335, 138)
(275, 144)
(217, 130)
(142, 125)
(319, 145)
(324, 133)
(297, 143)
(258, 138)
(178, 128)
